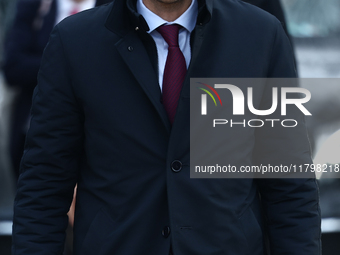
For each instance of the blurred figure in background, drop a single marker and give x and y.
(23, 49)
(6, 179)
(6, 13)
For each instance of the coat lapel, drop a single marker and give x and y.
(136, 58)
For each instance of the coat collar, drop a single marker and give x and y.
(124, 16)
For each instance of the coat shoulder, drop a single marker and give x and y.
(242, 13)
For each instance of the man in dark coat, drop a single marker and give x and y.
(100, 119)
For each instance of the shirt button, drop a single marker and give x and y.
(176, 166)
(166, 231)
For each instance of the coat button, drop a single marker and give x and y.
(130, 48)
(166, 231)
(176, 166)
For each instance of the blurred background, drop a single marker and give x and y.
(313, 27)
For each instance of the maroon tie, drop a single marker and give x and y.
(174, 71)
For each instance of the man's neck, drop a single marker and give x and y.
(168, 10)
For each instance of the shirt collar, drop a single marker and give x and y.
(186, 20)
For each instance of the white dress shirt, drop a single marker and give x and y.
(65, 7)
(187, 20)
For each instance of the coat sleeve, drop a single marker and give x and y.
(50, 163)
(291, 206)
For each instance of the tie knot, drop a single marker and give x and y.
(170, 34)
